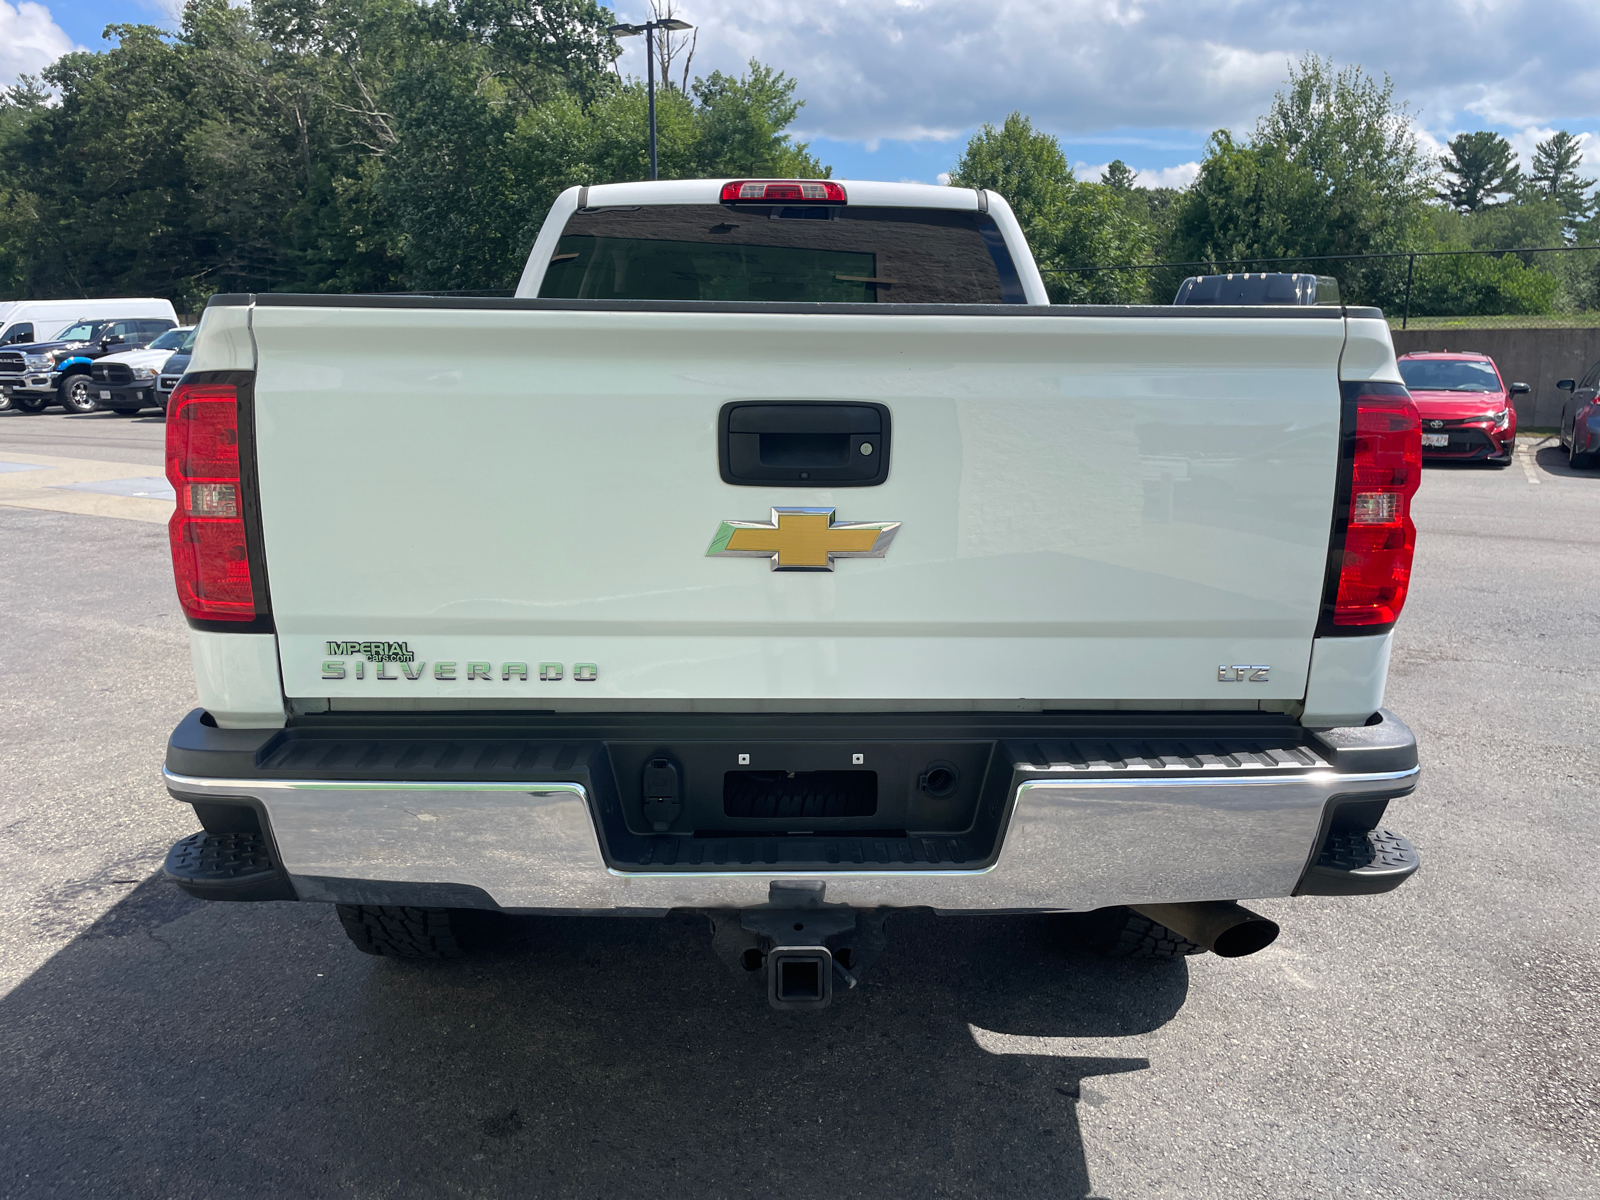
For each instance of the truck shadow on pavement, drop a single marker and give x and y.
(177, 1048)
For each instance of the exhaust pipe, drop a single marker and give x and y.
(1221, 926)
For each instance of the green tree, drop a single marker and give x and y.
(20, 230)
(1555, 175)
(1069, 224)
(724, 125)
(1119, 176)
(342, 145)
(1481, 166)
(1028, 169)
(1531, 220)
(1333, 168)
(1480, 285)
(742, 122)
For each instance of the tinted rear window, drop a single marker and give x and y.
(1448, 375)
(772, 253)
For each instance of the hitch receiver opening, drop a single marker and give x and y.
(800, 977)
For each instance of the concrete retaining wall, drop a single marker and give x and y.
(1536, 357)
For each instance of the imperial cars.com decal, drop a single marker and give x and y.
(384, 655)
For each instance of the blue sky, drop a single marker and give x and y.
(894, 87)
(83, 20)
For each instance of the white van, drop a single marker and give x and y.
(27, 321)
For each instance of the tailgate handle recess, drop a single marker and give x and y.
(803, 443)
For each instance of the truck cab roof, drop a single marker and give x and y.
(864, 192)
(914, 243)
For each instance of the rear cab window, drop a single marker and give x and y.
(761, 252)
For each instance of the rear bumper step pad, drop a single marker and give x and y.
(1361, 862)
(227, 866)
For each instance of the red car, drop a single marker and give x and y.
(1464, 404)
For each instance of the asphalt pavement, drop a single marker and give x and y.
(1440, 1041)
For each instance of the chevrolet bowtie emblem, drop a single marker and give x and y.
(802, 539)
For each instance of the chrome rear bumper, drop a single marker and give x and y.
(1073, 839)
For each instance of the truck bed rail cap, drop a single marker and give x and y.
(423, 300)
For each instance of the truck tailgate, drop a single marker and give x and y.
(1090, 508)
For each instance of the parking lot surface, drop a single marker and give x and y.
(1440, 1041)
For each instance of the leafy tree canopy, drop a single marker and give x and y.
(1555, 175)
(342, 145)
(1119, 176)
(1333, 168)
(1068, 223)
(1480, 168)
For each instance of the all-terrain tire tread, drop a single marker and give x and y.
(395, 931)
(1143, 938)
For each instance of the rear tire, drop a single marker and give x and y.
(1122, 933)
(126, 412)
(393, 931)
(76, 396)
(28, 404)
(1578, 462)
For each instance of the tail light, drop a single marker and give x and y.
(782, 191)
(1385, 463)
(210, 558)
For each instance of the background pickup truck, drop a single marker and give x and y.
(779, 554)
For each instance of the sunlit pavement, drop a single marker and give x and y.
(1439, 1041)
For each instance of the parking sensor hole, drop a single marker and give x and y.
(940, 779)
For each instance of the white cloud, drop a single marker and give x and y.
(934, 69)
(1180, 176)
(29, 40)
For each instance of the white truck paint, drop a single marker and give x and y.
(563, 512)
(488, 530)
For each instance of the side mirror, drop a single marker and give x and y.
(112, 339)
(1566, 385)
(1518, 389)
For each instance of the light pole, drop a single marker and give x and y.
(672, 25)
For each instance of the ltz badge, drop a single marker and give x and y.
(802, 539)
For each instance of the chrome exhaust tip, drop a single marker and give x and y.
(1226, 929)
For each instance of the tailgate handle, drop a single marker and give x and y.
(803, 443)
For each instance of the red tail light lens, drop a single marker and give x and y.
(210, 560)
(783, 191)
(1380, 537)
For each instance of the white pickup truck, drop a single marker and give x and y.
(779, 553)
